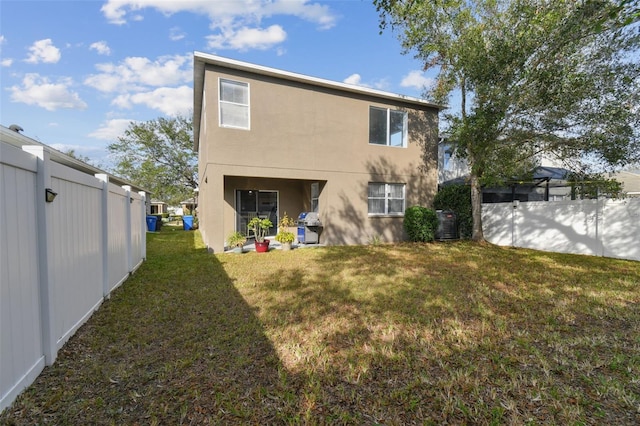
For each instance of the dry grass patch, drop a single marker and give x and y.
(389, 334)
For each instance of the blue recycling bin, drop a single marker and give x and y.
(187, 223)
(151, 223)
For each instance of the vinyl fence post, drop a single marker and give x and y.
(515, 204)
(143, 236)
(128, 229)
(43, 211)
(104, 223)
(600, 209)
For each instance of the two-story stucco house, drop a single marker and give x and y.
(271, 141)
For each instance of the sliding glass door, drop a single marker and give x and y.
(254, 203)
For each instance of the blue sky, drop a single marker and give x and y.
(75, 73)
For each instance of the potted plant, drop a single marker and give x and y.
(285, 236)
(260, 227)
(236, 240)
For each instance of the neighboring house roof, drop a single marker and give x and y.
(630, 181)
(19, 140)
(555, 173)
(201, 59)
(540, 173)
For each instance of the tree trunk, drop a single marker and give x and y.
(476, 208)
(476, 189)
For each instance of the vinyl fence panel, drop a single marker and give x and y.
(75, 244)
(59, 259)
(600, 227)
(621, 229)
(118, 262)
(138, 230)
(21, 352)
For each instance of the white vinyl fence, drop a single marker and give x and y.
(600, 227)
(58, 260)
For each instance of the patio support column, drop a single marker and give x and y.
(217, 216)
(546, 191)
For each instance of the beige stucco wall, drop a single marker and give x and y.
(302, 134)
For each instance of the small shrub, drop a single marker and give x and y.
(284, 235)
(260, 227)
(236, 239)
(375, 240)
(458, 199)
(420, 223)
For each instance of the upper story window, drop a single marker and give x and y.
(387, 127)
(447, 153)
(386, 198)
(315, 196)
(234, 104)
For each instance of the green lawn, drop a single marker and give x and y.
(455, 333)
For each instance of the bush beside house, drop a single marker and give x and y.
(420, 223)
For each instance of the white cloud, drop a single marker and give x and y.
(111, 129)
(417, 79)
(248, 38)
(37, 90)
(382, 84)
(171, 101)
(176, 34)
(101, 47)
(43, 51)
(236, 24)
(313, 12)
(224, 11)
(4, 62)
(113, 12)
(354, 79)
(138, 74)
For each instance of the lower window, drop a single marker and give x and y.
(386, 198)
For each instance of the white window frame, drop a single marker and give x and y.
(221, 103)
(315, 196)
(387, 198)
(447, 157)
(405, 126)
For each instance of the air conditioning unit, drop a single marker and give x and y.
(447, 225)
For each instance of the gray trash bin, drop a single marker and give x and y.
(309, 228)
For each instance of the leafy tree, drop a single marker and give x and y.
(158, 155)
(555, 78)
(458, 199)
(629, 10)
(594, 186)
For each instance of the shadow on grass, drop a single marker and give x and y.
(404, 334)
(176, 344)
